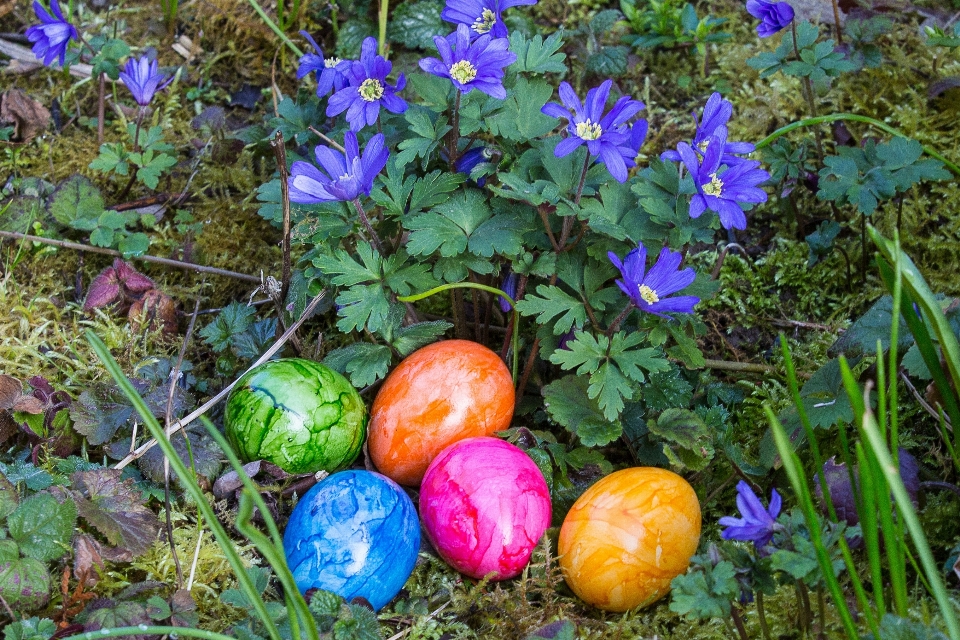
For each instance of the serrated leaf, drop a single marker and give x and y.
(33, 477)
(410, 338)
(433, 189)
(825, 398)
(115, 509)
(42, 526)
(449, 226)
(862, 336)
(203, 455)
(705, 594)
(30, 629)
(364, 363)
(689, 441)
(99, 412)
(362, 306)
(551, 301)
(234, 319)
(118, 614)
(568, 404)
(75, 199)
(666, 390)
(609, 61)
(536, 55)
(519, 118)
(413, 24)
(356, 623)
(893, 627)
(24, 583)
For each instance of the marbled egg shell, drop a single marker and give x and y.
(355, 533)
(484, 506)
(442, 393)
(298, 414)
(628, 536)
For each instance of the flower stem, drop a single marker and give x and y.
(365, 221)
(853, 117)
(482, 287)
(620, 318)
(738, 621)
(455, 131)
(808, 93)
(382, 24)
(583, 180)
(762, 617)
(101, 107)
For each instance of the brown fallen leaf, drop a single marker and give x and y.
(28, 116)
(154, 310)
(12, 398)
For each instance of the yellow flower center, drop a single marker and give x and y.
(715, 187)
(371, 89)
(588, 130)
(703, 146)
(648, 294)
(330, 63)
(485, 22)
(463, 72)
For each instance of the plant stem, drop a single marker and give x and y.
(101, 107)
(836, 22)
(119, 632)
(365, 221)
(455, 131)
(620, 318)
(280, 152)
(853, 117)
(738, 621)
(808, 93)
(111, 252)
(382, 24)
(762, 616)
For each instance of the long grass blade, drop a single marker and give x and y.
(189, 484)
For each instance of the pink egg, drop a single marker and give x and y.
(484, 505)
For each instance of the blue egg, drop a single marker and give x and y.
(355, 533)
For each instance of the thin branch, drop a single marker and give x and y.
(183, 422)
(76, 246)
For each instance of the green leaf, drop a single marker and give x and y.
(536, 55)
(364, 363)
(414, 24)
(33, 477)
(30, 629)
(352, 33)
(233, 320)
(824, 397)
(862, 336)
(152, 166)
(705, 592)
(796, 565)
(356, 623)
(414, 336)
(24, 583)
(893, 627)
(448, 227)
(75, 199)
(203, 455)
(9, 499)
(42, 526)
(134, 244)
(666, 390)
(552, 301)
(519, 118)
(609, 61)
(689, 441)
(567, 403)
(559, 630)
(433, 189)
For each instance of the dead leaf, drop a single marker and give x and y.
(87, 558)
(12, 398)
(28, 116)
(115, 509)
(154, 310)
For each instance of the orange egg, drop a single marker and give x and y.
(438, 395)
(628, 536)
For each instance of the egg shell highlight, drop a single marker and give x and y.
(298, 414)
(438, 395)
(484, 505)
(355, 533)
(628, 536)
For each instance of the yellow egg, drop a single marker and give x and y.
(628, 536)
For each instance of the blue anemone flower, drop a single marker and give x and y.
(509, 287)
(607, 136)
(143, 78)
(649, 291)
(51, 38)
(331, 72)
(716, 114)
(757, 524)
(472, 65)
(481, 16)
(723, 190)
(773, 16)
(343, 177)
(367, 89)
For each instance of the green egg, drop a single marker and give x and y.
(298, 414)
